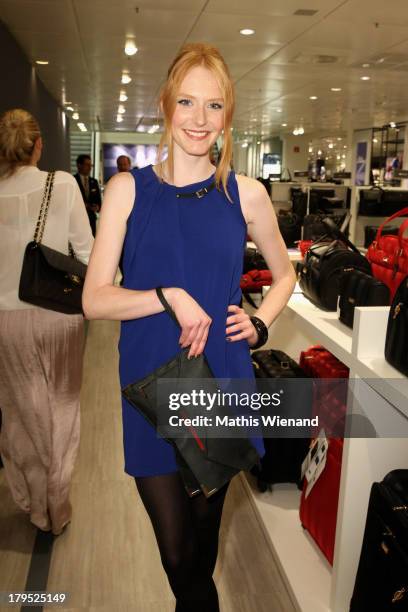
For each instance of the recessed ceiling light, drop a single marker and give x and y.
(82, 127)
(119, 118)
(247, 32)
(244, 145)
(258, 142)
(312, 97)
(70, 108)
(331, 145)
(126, 79)
(393, 124)
(365, 78)
(121, 109)
(375, 140)
(335, 89)
(123, 97)
(319, 152)
(381, 60)
(310, 149)
(366, 65)
(339, 139)
(42, 62)
(130, 48)
(75, 116)
(278, 110)
(343, 157)
(284, 125)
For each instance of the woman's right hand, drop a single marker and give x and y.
(194, 321)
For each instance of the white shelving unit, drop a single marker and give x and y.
(383, 393)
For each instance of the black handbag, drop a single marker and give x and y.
(253, 260)
(205, 463)
(396, 341)
(314, 228)
(324, 263)
(50, 279)
(290, 227)
(359, 289)
(382, 576)
(371, 202)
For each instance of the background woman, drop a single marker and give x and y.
(193, 247)
(40, 350)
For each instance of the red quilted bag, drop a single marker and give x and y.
(388, 255)
(303, 246)
(254, 280)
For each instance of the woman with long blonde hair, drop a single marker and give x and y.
(183, 225)
(40, 350)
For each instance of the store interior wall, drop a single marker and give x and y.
(21, 88)
(295, 154)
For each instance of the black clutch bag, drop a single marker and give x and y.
(205, 463)
(396, 341)
(360, 289)
(50, 279)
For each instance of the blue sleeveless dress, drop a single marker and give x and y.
(195, 244)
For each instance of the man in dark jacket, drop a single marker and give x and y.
(89, 187)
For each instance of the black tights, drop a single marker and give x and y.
(186, 530)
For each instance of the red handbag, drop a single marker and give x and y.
(254, 280)
(318, 511)
(303, 246)
(388, 255)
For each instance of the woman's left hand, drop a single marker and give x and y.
(239, 324)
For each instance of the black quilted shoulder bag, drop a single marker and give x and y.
(50, 279)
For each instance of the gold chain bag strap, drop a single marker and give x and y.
(50, 279)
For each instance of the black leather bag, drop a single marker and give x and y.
(50, 279)
(396, 341)
(360, 289)
(382, 576)
(206, 463)
(290, 227)
(283, 456)
(371, 202)
(393, 201)
(253, 260)
(314, 228)
(299, 203)
(370, 232)
(324, 263)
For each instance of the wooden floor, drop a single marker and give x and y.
(107, 558)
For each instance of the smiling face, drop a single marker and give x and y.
(199, 112)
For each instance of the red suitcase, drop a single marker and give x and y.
(318, 512)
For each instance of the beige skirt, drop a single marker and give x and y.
(40, 380)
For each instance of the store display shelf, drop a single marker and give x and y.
(324, 326)
(307, 574)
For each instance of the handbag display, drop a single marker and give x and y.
(382, 576)
(360, 289)
(206, 463)
(388, 254)
(371, 202)
(314, 227)
(50, 279)
(323, 265)
(396, 341)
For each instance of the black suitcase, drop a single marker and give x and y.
(370, 232)
(283, 456)
(382, 576)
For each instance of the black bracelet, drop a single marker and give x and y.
(261, 330)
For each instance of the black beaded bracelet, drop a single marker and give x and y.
(261, 330)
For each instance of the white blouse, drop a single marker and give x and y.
(20, 201)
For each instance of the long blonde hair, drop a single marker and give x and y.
(190, 56)
(18, 134)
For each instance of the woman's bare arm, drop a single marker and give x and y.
(264, 231)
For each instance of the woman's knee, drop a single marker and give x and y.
(180, 564)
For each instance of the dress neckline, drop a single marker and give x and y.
(184, 188)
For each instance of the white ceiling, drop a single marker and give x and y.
(277, 68)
